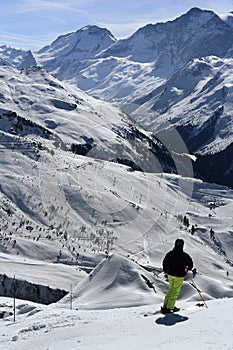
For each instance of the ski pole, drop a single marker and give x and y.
(198, 290)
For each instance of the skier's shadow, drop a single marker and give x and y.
(171, 319)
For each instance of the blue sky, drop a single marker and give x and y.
(31, 24)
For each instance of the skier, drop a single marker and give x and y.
(176, 265)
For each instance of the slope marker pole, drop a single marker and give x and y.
(14, 292)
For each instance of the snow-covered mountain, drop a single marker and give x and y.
(68, 53)
(35, 103)
(178, 71)
(16, 57)
(172, 44)
(121, 69)
(197, 102)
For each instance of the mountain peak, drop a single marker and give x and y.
(16, 57)
(94, 29)
(195, 14)
(196, 11)
(85, 43)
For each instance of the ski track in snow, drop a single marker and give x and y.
(55, 328)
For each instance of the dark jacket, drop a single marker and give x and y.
(176, 261)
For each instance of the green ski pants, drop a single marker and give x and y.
(175, 284)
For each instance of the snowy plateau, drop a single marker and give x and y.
(110, 151)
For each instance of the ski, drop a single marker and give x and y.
(157, 312)
(151, 313)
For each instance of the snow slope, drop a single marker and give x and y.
(189, 99)
(197, 102)
(59, 206)
(55, 328)
(73, 120)
(119, 297)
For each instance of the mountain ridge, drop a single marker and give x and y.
(190, 35)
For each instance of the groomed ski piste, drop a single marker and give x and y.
(106, 309)
(58, 327)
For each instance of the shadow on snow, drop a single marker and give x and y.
(171, 319)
